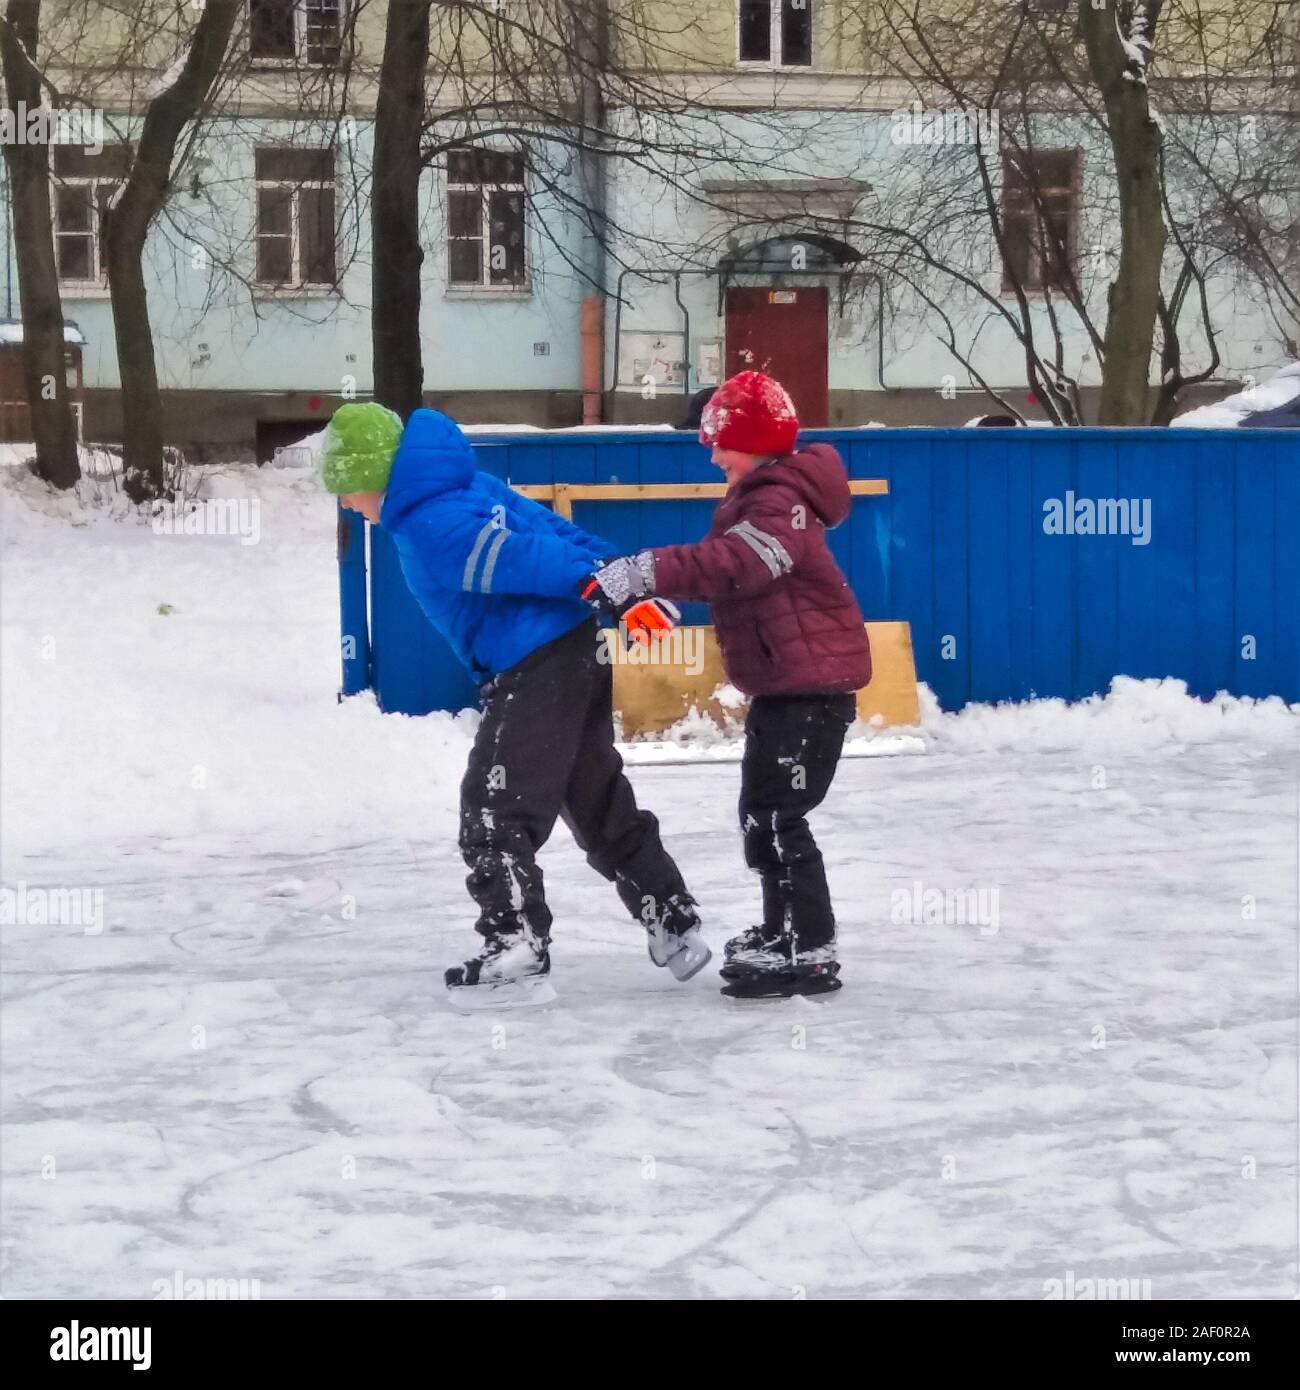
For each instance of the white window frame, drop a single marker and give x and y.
(776, 58)
(295, 284)
(99, 278)
(485, 286)
(299, 39)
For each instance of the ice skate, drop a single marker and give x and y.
(511, 971)
(760, 945)
(674, 940)
(685, 953)
(765, 967)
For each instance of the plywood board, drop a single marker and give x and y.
(654, 689)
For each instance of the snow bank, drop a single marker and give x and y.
(162, 686)
(93, 458)
(1228, 413)
(1134, 715)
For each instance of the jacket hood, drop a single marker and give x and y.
(434, 457)
(817, 473)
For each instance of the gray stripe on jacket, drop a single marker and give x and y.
(766, 546)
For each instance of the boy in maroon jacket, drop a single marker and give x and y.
(792, 637)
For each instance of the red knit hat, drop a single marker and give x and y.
(751, 413)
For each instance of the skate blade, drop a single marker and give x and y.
(529, 993)
(782, 985)
(738, 989)
(739, 970)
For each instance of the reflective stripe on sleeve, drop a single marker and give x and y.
(766, 546)
(467, 581)
(490, 564)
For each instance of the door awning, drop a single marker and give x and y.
(821, 254)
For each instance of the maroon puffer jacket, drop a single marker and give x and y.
(787, 621)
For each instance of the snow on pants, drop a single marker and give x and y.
(545, 749)
(792, 748)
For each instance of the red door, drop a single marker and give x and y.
(783, 333)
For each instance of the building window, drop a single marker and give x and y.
(485, 220)
(778, 32)
(85, 186)
(288, 31)
(296, 232)
(1040, 219)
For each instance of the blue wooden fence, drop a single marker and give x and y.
(1001, 608)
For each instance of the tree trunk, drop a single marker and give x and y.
(44, 371)
(1135, 139)
(396, 254)
(591, 43)
(128, 223)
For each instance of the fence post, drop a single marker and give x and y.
(354, 623)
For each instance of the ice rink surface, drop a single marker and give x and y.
(944, 1126)
(251, 1072)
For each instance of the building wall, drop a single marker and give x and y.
(231, 356)
(230, 353)
(889, 362)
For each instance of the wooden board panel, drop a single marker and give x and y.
(653, 694)
(563, 495)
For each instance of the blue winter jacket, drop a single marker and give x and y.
(496, 573)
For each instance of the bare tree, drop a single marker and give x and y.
(142, 198)
(567, 90)
(395, 208)
(1118, 41)
(1165, 187)
(28, 165)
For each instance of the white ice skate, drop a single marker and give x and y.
(684, 953)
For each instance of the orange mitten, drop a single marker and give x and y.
(651, 618)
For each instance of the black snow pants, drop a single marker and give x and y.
(545, 749)
(792, 748)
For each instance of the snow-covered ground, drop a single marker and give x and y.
(251, 1072)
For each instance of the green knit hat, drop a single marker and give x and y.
(360, 441)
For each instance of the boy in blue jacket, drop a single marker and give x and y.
(499, 576)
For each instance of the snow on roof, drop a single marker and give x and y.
(1282, 387)
(11, 331)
